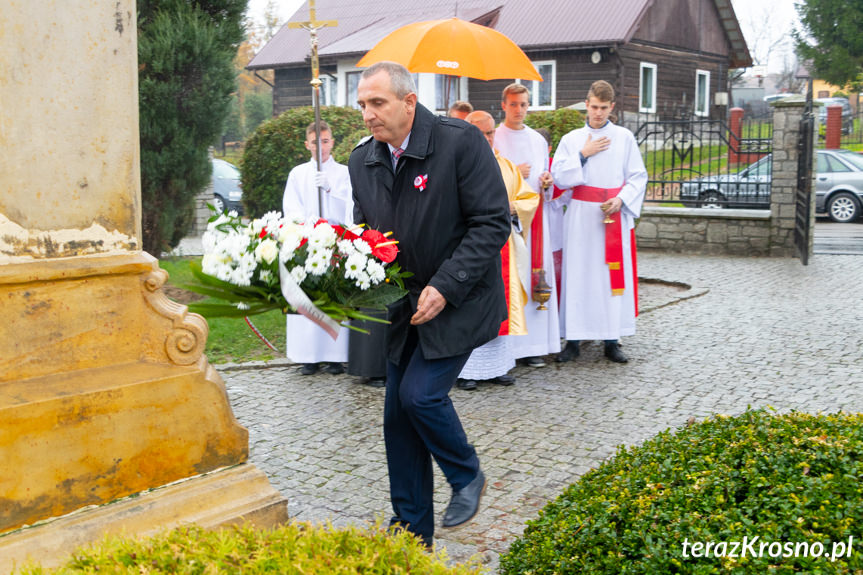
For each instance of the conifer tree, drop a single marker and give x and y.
(830, 40)
(185, 79)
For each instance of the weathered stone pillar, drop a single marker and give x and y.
(104, 388)
(787, 114)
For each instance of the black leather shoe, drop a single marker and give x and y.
(465, 383)
(427, 541)
(309, 369)
(569, 353)
(612, 352)
(534, 362)
(373, 381)
(334, 368)
(505, 379)
(465, 502)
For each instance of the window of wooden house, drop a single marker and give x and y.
(352, 82)
(542, 94)
(702, 93)
(446, 91)
(647, 88)
(329, 90)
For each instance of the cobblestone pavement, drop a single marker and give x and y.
(748, 332)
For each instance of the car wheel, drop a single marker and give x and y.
(219, 204)
(843, 207)
(712, 199)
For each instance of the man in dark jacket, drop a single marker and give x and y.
(435, 184)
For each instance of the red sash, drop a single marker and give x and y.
(613, 238)
(536, 262)
(504, 259)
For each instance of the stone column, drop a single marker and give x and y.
(787, 114)
(104, 388)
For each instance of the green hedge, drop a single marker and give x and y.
(558, 122)
(272, 151)
(346, 144)
(791, 481)
(296, 548)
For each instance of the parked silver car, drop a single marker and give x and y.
(838, 186)
(227, 193)
(748, 188)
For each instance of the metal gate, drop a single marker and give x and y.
(803, 195)
(706, 163)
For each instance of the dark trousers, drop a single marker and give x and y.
(420, 422)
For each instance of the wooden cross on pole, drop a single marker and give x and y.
(313, 25)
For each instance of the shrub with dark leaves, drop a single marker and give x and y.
(789, 482)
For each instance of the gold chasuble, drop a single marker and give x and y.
(515, 257)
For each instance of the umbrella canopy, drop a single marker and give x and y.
(453, 47)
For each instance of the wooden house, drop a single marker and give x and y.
(666, 59)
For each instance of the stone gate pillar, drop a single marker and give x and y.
(104, 388)
(787, 114)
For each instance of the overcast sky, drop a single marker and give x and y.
(765, 23)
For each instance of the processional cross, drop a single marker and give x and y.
(313, 25)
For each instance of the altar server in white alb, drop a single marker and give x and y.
(602, 164)
(528, 150)
(308, 343)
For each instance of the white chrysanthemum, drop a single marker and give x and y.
(290, 242)
(233, 245)
(239, 277)
(212, 263)
(233, 214)
(346, 247)
(242, 305)
(245, 268)
(255, 227)
(354, 266)
(267, 251)
(272, 221)
(209, 242)
(318, 261)
(376, 272)
(363, 281)
(323, 236)
(362, 246)
(299, 274)
(265, 275)
(213, 236)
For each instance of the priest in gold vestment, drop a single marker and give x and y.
(492, 361)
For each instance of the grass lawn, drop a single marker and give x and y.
(230, 339)
(231, 156)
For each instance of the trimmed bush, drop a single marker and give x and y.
(791, 482)
(558, 122)
(294, 548)
(272, 151)
(344, 146)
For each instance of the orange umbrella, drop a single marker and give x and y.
(454, 47)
